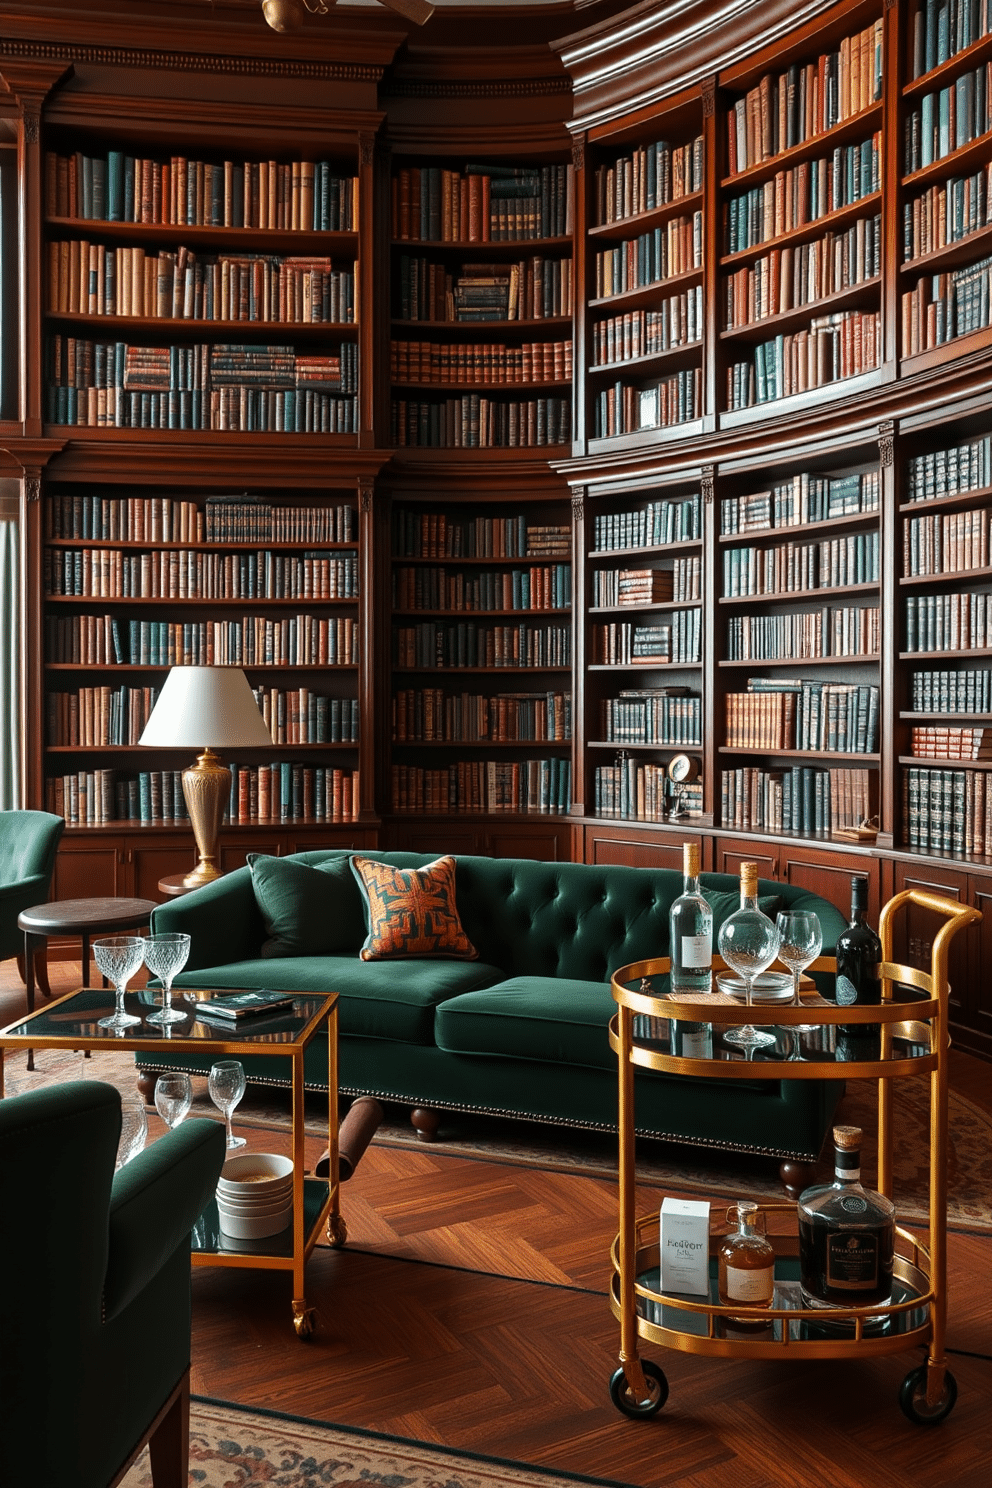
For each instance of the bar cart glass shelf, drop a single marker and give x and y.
(652, 1030)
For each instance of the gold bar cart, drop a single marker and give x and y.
(913, 1021)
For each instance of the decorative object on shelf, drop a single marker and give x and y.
(682, 769)
(206, 708)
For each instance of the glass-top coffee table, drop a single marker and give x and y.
(72, 1023)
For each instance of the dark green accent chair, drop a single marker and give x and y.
(28, 843)
(95, 1308)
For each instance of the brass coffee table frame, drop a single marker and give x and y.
(315, 1200)
(918, 1315)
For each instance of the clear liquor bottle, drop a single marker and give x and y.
(846, 1235)
(746, 1263)
(690, 931)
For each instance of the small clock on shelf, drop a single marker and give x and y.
(682, 769)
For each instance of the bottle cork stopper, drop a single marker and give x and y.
(847, 1138)
(749, 873)
(690, 859)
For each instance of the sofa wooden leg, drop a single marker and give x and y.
(425, 1123)
(796, 1176)
(147, 1080)
(168, 1446)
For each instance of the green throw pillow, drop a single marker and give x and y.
(308, 911)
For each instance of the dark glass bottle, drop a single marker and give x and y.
(846, 1235)
(859, 953)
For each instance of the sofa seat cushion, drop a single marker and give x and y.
(551, 1019)
(376, 999)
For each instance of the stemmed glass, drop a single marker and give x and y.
(802, 940)
(748, 943)
(165, 955)
(118, 958)
(173, 1098)
(226, 1086)
(134, 1130)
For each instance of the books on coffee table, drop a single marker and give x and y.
(238, 1006)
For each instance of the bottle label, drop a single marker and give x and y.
(852, 1262)
(697, 951)
(846, 992)
(750, 1286)
(696, 1040)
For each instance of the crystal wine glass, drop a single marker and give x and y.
(165, 955)
(748, 943)
(802, 940)
(227, 1085)
(173, 1098)
(134, 1130)
(118, 958)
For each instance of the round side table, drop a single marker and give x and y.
(82, 917)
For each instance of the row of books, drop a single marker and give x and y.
(849, 630)
(94, 797)
(481, 203)
(171, 519)
(299, 716)
(942, 28)
(948, 119)
(780, 713)
(178, 284)
(677, 640)
(951, 692)
(787, 108)
(674, 248)
(944, 306)
(428, 715)
(947, 212)
(474, 421)
(439, 589)
(803, 193)
(180, 573)
(788, 278)
(834, 347)
(420, 534)
(532, 289)
(794, 568)
(948, 810)
(539, 786)
(946, 472)
(804, 498)
(302, 195)
(649, 177)
(468, 644)
(227, 409)
(632, 791)
(625, 408)
(291, 791)
(935, 742)
(678, 321)
(655, 715)
(655, 524)
(99, 715)
(480, 361)
(258, 519)
(948, 622)
(801, 799)
(681, 583)
(76, 363)
(952, 542)
(253, 640)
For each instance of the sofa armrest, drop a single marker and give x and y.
(222, 920)
(28, 891)
(156, 1200)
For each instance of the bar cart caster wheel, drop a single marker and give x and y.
(640, 1410)
(913, 1398)
(304, 1320)
(336, 1231)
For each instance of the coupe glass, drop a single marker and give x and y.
(173, 1098)
(118, 958)
(164, 956)
(801, 942)
(134, 1130)
(227, 1086)
(748, 943)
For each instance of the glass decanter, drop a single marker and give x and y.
(746, 1263)
(748, 943)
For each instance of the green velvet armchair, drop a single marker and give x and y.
(95, 1299)
(28, 843)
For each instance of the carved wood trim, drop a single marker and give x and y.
(192, 61)
(578, 154)
(886, 443)
(523, 88)
(707, 483)
(707, 93)
(578, 506)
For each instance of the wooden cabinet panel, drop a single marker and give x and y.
(976, 992)
(435, 836)
(550, 844)
(609, 845)
(89, 867)
(730, 854)
(914, 939)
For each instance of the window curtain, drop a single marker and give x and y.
(10, 648)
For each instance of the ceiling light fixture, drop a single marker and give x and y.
(289, 15)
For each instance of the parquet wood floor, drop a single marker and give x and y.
(469, 1309)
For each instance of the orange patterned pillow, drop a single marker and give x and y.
(412, 911)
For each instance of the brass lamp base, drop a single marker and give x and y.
(207, 788)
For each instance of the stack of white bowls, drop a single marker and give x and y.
(255, 1195)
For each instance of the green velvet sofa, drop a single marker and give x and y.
(522, 1031)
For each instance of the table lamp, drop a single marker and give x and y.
(206, 708)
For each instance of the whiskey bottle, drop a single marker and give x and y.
(690, 931)
(746, 1263)
(859, 952)
(846, 1235)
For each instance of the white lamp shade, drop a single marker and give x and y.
(203, 707)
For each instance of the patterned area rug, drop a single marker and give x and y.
(235, 1448)
(594, 1154)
